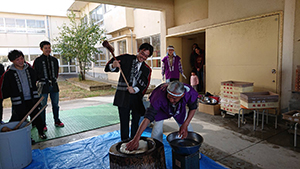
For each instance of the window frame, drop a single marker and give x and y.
(124, 43)
(16, 26)
(100, 62)
(99, 17)
(151, 59)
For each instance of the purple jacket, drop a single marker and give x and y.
(171, 71)
(160, 103)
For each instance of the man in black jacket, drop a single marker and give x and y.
(19, 83)
(129, 98)
(1, 100)
(46, 67)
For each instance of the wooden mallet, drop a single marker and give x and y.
(36, 116)
(111, 50)
(5, 129)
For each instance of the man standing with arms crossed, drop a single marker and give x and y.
(46, 67)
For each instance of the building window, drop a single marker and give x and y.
(66, 65)
(122, 47)
(10, 22)
(155, 60)
(30, 54)
(109, 54)
(1, 22)
(36, 26)
(84, 19)
(2, 27)
(100, 58)
(13, 25)
(96, 16)
(32, 57)
(109, 7)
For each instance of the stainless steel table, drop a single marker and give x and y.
(256, 116)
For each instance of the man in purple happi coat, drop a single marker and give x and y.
(168, 100)
(171, 66)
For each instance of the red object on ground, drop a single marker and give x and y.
(215, 97)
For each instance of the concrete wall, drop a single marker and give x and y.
(123, 20)
(244, 51)
(146, 22)
(28, 43)
(162, 5)
(220, 12)
(88, 8)
(224, 11)
(296, 41)
(54, 24)
(189, 11)
(288, 36)
(16, 40)
(31, 40)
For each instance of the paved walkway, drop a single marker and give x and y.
(224, 142)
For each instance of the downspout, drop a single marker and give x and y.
(131, 41)
(48, 29)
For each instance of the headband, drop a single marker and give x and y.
(170, 47)
(187, 89)
(176, 95)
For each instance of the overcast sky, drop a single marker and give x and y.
(44, 7)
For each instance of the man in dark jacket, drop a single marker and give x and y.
(129, 98)
(1, 100)
(46, 67)
(19, 83)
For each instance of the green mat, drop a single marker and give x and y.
(79, 120)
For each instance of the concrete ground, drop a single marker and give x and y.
(224, 142)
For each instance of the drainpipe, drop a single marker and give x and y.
(48, 29)
(131, 41)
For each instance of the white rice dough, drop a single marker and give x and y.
(143, 146)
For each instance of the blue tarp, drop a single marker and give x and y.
(94, 153)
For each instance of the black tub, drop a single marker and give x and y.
(151, 159)
(187, 146)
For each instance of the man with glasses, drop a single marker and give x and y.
(130, 98)
(166, 101)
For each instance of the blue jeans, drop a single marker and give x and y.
(54, 96)
(200, 77)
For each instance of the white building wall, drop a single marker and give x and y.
(146, 22)
(28, 43)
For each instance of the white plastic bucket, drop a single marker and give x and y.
(15, 146)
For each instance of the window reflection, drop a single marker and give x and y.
(155, 60)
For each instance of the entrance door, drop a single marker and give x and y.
(244, 51)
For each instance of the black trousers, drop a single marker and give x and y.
(124, 115)
(20, 111)
(1, 109)
(174, 79)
